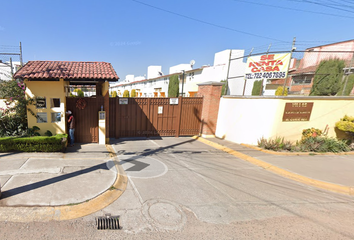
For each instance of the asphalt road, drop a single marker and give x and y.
(180, 188)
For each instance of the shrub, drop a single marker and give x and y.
(257, 88)
(311, 132)
(276, 144)
(133, 93)
(33, 144)
(322, 144)
(48, 133)
(80, 93)
(346, 124)
(279, 91)
(126, 93)
(114, 94)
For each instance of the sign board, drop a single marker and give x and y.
(173, 101)
(270, 66)
(40, 103)
(160, 109)
(102, 115)
(123, 101)
(297, 111)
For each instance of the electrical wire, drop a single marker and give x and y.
(293, 9)
(207, 23)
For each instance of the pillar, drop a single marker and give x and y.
(211, 93)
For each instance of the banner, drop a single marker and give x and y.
(270, 66)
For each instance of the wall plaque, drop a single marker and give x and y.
(40, 103)
(123, 101)
(297, 111)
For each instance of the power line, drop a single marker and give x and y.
(322, 4)
(293, 9)
(205, 22)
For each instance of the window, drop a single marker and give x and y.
(41, 102)
(56, 117)
(302, 80)
(54, 102)
(41, 117)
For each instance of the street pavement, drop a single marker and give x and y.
(138, 174)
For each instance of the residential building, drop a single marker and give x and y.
(6, 72)
(156, 84)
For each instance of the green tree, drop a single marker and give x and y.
(224, 87)
(13, 119)
(347, 86)
(173, 86)
(279, 91)
(80, 93)
(328, 76)
(114, 94)
(126, 93)
(133, 93)
(257, 87)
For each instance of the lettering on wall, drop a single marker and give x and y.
(297, 111)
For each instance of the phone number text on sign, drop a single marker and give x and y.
(267, 75)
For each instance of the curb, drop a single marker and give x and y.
(279, 171)
(294, 153)
(67, 212)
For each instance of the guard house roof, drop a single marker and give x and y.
(67, 70)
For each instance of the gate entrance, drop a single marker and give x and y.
(86, 120)
(146, 117)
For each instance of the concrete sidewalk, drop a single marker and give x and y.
(315, 169)
(51, 179)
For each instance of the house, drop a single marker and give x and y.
(156, 83)
(49, 83)
(302, 75)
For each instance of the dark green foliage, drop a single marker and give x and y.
(13, 119)
(328, 78)
(33, 144)
(348, 84)
(257, 88)
(173, 86)
(322, 144)
(48, 133)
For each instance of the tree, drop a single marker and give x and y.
(346, 86)
(126, 93)
(257, 88)
(13, 119)
(133, 93)
(114, 94)
(328, 76)
(224, 87)
(279, 91)
(173, 86)
(80, 93)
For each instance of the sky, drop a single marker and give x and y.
(135, 34)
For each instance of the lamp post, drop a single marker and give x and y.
(182, 81)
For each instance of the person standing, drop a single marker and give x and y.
(71, 126)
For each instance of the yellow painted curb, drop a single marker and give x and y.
(67, 212)
(294, 153)
(269, 167)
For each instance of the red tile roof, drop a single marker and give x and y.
(49, 70)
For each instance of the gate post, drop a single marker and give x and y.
(179, 115)
(211, 93)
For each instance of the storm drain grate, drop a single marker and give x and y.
(107, 222)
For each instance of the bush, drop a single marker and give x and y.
(133, 93)
(279, 91)
(34, 144)
(48, 133)
(80, 93)
(322, 144)
(311, 132)
(346, 124)
(114, 94)
(257, 88)
(276, 144)
(126, 93)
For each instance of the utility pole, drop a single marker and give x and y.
(244, 85)
(21, 54)
(182, 81)
(287, 70)
(261, 93)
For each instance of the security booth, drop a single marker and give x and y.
(52, 84)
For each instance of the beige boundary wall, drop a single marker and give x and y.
(247, 119)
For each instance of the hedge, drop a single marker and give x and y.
(55, 143)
